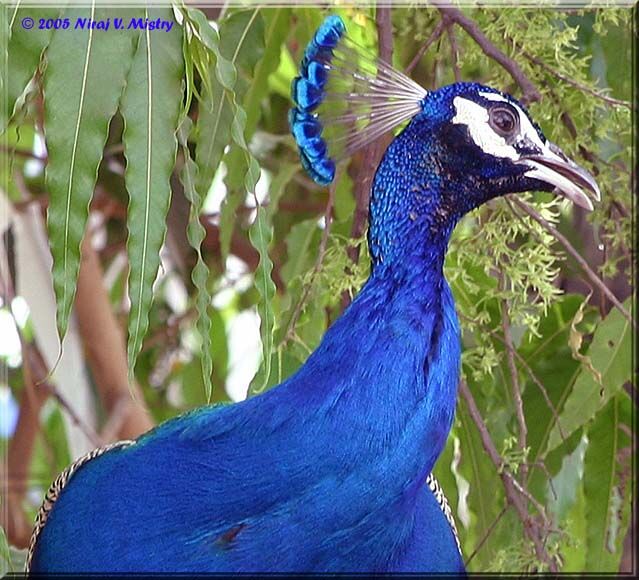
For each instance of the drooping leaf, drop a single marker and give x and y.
(84, 79)
(563, 489)
(151, 108)
(232, 50)
(193, 389)
(485, 494)
(196, 233)
(269, 42)
(276, 29)
(24, 50)
(573, 551)
(261, 234)
(601, 487)
(241, 36)
(610, 353)
(246, 62)
(550, 359)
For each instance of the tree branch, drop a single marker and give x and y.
(516, 389)
(454, 49)
(574, 83)
(596, 280)
(372, 153)
(530, 372)
(530, 92)
(511, 488)
(105, 346)
(434, 36)
(328, 220)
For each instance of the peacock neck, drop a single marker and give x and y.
(406, 310)
(396, 348)
(412, 213)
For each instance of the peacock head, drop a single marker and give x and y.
(484, 143)
(462, 145)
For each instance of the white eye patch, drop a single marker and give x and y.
(527, 130)
(475, 117)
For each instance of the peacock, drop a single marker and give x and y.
(330, 470)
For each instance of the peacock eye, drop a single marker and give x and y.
(503, 121)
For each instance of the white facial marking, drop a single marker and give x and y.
(475, 117)
(527, 131)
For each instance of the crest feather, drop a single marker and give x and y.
(345, 98)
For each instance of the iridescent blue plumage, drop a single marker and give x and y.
(343, 99)
(307, 92)
(326, 472)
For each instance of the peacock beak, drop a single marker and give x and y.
(569, 179)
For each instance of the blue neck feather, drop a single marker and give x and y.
(412, 213)
(399, 385)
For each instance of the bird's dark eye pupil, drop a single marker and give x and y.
(503, 120)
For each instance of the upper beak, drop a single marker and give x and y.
(569, 179)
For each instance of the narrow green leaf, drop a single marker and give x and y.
(241, 38)
(235, 50)
(84, 79)
(5, 554)
(549, 358)
(151, 108)
(277, 27)
(268, 42)
(200, 275)
(610, 353)
(573, 551)
(485, 496)
(603, 542)
(562, 489)
(193, 389)
(24, 50)
(303, 237)
(260, 235)
(250, 29)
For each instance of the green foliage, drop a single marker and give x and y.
(151, 107)
(606, 511)
(219, 96)
(25, 47)
(604, 377)
(196, 233)
(85, 75)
